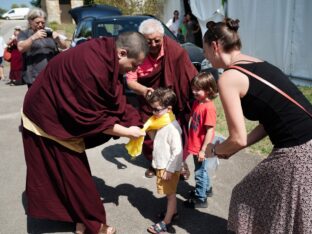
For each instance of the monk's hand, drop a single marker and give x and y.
(167, 175)
(148, 91)
(135, 132)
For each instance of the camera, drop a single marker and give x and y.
(48, 32)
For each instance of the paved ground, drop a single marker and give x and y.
(130, 199)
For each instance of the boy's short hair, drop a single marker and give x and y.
(206, 82)
(165, 96)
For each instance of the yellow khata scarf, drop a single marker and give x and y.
(134, 146)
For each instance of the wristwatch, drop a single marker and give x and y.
(213, 150)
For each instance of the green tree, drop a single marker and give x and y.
(14, 5)
(2, 11)
(35, 3)
(130, 7)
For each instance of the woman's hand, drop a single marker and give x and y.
(212, 152)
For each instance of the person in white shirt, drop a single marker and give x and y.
(167, 152)
(2, 46)
(174, 23)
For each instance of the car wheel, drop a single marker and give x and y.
(7, 18)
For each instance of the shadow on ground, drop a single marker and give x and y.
(38, 226)
(114, 152)
(192, 221)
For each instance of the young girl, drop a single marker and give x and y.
(201, 133)
(167, 151)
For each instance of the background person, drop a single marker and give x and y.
(182, 30)
(76, 101)
(275, 197)
(37, 46)
(174, 23)
(166, 65)
(16, 63)
(2, 46)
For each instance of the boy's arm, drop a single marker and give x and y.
(189, 123)
(208, 139)
(176, 150)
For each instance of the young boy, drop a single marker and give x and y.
(201, 133)
(167, 152)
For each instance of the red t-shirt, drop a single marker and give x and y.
(203, 116)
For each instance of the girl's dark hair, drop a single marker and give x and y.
(205, 81)
(174, 13)
(224, 32)
(166, 97)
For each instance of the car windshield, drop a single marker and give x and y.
(113, 27)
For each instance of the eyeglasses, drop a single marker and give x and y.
(156, 41)
(155, 110)
(39, 22)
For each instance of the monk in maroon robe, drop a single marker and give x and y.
(77, 97)
(167, 65)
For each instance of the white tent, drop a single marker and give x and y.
(277, 31)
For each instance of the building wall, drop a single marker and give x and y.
(59, 12)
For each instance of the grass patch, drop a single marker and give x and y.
(66, 29)
(264, 146)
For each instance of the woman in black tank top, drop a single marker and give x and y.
(276, 196)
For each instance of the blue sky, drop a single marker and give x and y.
(6, 4)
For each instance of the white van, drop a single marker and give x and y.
(16, 13)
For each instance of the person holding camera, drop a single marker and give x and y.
(38, 45)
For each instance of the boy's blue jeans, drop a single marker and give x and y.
(202, 180)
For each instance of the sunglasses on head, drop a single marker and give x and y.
(155, 110)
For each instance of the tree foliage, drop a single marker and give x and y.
(130, 7)
(2, 11)
(35, 3)
(14, 5)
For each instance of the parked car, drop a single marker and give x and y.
(16, 13)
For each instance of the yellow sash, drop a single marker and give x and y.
(134, 146)
(75, 144)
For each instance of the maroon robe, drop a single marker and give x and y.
(176, 72)
(78, 94)
(16, 63)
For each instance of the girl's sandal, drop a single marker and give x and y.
(105, 229)
(157, 228)
(80, 228)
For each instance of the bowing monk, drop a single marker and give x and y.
(166, 65)
(77, 100)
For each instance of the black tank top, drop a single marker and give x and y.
(286, 124)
